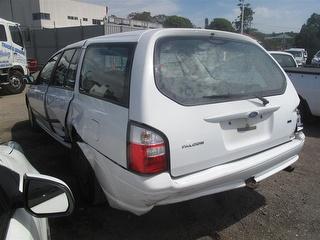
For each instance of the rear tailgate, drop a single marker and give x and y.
(206, 136)
(203, 100)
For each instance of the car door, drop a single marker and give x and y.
(37, 91)
(60, 90)
(101, 108)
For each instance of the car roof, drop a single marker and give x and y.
(135, 36)
(280, 52)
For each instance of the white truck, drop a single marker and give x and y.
(307, 83)
(13, 60)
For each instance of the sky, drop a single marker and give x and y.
(270, 15)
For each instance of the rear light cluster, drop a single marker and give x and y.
(299, 126)
(147, 151)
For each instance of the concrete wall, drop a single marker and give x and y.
(20, 11)
(42, 43)
(59, 10)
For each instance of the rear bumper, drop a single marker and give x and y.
(139, 194)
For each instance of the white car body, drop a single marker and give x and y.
(299, 54)
(209, 148)
(20, 223)
(316, 59)
(12, 55)
(306, 81)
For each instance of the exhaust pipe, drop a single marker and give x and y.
(289, 169)
(251, 183)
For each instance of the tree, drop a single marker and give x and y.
(142, 16)
(159, 18)
(309, 36)
(247, 17)
(177, 22)
(221, 24)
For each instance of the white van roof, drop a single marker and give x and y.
(135, 36)
(295, 49)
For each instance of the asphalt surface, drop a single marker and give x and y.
(285, 206)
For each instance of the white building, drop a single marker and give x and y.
(52, 13)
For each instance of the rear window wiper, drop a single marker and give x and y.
(226, 96)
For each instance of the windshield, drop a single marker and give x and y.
(284, 60)
(193, 71)
(295, 53)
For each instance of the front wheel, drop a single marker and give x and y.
(16, 82)
(32, 120)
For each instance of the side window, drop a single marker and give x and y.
(45, 74)
(62, 68)
(72, 71)
(105, 72)
(16, 35)
(3, 35)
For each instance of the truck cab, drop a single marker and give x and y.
(13, 60)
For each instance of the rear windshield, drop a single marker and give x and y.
(202, 70)
(284, 60)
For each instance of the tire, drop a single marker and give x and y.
(32, 121)
(16, 82)
(305, 112)
(89, 189)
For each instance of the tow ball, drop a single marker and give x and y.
(251, 183)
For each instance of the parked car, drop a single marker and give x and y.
(167, 115)
(28, 198)
(284, 59)
(299, 54)
(316, 59)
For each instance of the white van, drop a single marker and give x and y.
(299, 54)
(167, 115)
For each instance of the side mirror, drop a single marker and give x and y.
(30, 79)
(45, 196)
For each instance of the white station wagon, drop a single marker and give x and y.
(161, 116)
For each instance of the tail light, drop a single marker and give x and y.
(299, 126)
(147, 150)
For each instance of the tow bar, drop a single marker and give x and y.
(289, 169)
(251, 183)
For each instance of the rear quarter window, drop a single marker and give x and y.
(105, 72)
(202, 70)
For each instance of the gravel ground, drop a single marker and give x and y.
(285, 206)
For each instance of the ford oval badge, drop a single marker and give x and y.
(253, 114)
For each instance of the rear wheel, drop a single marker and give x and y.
(305, 112)
(89, 189)
(16, 82)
